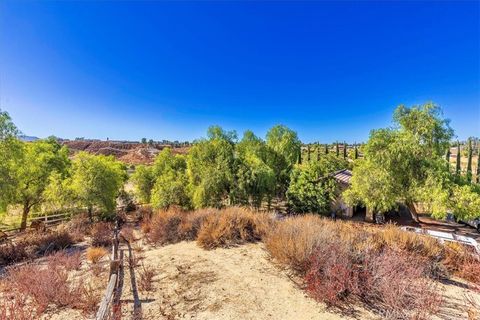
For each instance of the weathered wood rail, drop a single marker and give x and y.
(106, 308)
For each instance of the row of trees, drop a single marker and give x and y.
(402, 164)
(40, 174)
(220, 171)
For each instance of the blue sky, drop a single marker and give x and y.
(168, 70)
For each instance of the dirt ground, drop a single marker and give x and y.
(241, 283)
(235, 283)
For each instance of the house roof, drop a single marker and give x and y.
(343, 176)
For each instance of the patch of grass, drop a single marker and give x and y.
(95, 254)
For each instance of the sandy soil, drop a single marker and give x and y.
(235, 283)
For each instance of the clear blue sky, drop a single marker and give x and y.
(168, 70)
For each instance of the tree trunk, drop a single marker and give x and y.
(26, 211)
(90, 214)
(413, 211)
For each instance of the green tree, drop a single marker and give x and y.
(405, 163)
(144, 141)
(337, 149)
(210, 168)
(285, 147)
(97, 181)
(143, 180)
(170, 181)
(356, 153)
(326, 148)
(318, 151)
(255, 180)
(312, 188)
(478, 166)
(33, 168)
(10, 153)
(344, 150)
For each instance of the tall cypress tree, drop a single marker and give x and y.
(318, 151)
(356, 152)
(457, 168)
(308, 152)
(478, 166)
(344, 150)
(337, 150)
(326, 148)
(469, 163)
(300, 157)
(447, 157)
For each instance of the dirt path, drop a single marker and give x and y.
(236, 283)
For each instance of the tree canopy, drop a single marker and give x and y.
(406, 164)
(96, 181)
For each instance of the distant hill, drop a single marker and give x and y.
(28, 138)
(128, 152)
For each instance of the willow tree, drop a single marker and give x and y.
(254, 179)
(403, 163)
(210, 168)
(285, 147)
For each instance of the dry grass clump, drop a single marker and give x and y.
(102, 234)
(233, 226)
(95, 254)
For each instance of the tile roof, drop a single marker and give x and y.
(343, 176)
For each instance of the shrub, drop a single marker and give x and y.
(233, 226)
(146, 275)
(102, 234)
(395, 284)
(293, 240)
(95, 254)
(69, 260)
(12, 253)
(174, 225)
(43, 286)
(333, 274)
(15, 307)
(78, 227)
(43, 243)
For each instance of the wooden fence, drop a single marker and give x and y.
(106, 311)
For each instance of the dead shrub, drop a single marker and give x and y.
(69, 260)
(102, 234)
(15, 307)
(146, 275)
(44, 243)
(95, 254)
(173, 225)
(43, 286)
(333, 274)
(394, 283)
(233, 226)
(293, 240)
(12, 253)
(144, 213)
(89, 298)
(78, 227)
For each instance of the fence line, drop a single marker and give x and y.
(105, 311)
